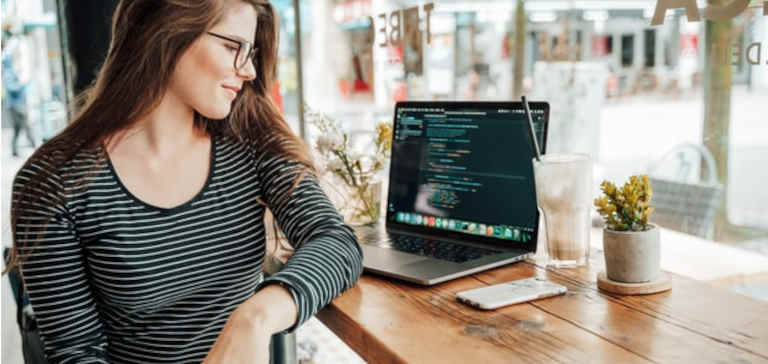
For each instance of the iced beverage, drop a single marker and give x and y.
(563, 191)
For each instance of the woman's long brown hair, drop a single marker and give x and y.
(148, 38)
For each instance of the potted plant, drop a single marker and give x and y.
(630, 244)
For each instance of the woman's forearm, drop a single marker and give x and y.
(271, 308)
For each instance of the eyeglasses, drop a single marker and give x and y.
(245, 51)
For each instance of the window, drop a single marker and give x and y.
(650, 47)
(32, 56)
(627, 50)
(629, 94)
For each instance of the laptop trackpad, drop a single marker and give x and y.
(377, 257)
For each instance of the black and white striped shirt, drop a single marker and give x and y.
(116, 280)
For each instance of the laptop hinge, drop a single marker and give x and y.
(465, 242)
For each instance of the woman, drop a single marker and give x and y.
(139, 228)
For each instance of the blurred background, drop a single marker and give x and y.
(679, 101)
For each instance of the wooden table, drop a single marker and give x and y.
(389, 321)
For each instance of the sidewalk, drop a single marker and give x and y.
(634, 132)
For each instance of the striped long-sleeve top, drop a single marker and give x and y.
(113, 279)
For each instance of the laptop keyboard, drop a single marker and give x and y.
(442, 250)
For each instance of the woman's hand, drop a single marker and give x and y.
(246, 335)
(242, 341)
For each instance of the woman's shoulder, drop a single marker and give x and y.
(57, 165)
(253, 145)
(230, 146)
(268, 151)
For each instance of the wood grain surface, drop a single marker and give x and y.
(389, 321)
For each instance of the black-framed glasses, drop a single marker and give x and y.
(245, 51)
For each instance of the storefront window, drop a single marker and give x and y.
(285, 91)
(638, 98)
(33, 81)
(667, 99)
(680, 100)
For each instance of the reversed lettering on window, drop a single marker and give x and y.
(723, 52)
(694, 14)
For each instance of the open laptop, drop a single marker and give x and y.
(461, 192)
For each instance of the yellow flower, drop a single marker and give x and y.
(647, 213)
(384, 136)
(609, 188)
(626, 208)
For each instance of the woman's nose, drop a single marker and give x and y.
(248, 72)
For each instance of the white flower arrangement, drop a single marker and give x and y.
(356, 169)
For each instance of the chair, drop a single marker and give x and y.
(31, 344)
(682, 205)
(282, 348)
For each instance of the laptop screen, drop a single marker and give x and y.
(465, 168)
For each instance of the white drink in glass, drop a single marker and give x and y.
(563, 190)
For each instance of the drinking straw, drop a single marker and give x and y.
(531, 133)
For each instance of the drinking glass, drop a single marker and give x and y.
(563, 190)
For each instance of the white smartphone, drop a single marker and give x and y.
(510, 293)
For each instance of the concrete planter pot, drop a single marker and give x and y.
(632, 256)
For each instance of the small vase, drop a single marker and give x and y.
(632, 256)
(364, 203)
(360, 204)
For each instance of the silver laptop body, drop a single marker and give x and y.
(451, 212)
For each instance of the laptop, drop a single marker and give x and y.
(461, 193)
